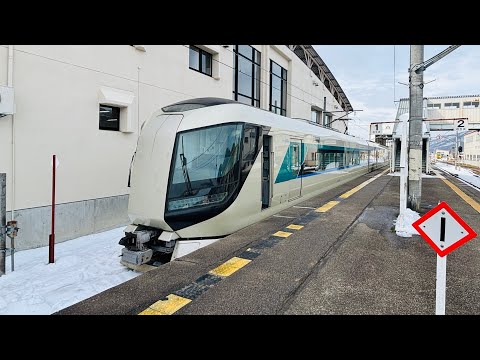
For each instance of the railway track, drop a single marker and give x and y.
(457, 177)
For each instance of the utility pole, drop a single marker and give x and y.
(417, 67)
(456, 149)
(3, 220)
(415, 129)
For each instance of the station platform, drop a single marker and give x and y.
(335, 254)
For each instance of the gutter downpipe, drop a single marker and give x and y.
(10, 84)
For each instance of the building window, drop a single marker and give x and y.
(109, 118)
(316, 116)
(452, 105)
(438, 106)
(328, 120)
(470, 104)
(278, 89)
(246, 75)
(200, 60)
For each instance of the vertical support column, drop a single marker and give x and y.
(324, 110)
(428, 159)
(415, 129)
(3, 220)
(265, 78)
(456, 149)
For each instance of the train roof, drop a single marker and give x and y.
(270, 118)
(192, 104)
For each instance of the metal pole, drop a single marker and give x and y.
(368, 157)
(12, 253)
(51, 245)
(403, 169)
(456, 149)
(415, 129)
(441, 285)
(3, 221)
(324, 110)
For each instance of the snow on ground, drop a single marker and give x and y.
(465, 174)
(403, 224)
(83, 267)
(91, 264)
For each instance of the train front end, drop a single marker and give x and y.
(148, 180)
(182, 176)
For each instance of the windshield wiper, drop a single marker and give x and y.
(188, 183)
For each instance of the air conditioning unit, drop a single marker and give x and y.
(6, 100)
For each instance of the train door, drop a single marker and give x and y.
(266, 171)
(296, 165)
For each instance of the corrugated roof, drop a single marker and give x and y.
(317, 66)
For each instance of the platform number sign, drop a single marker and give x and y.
(375, 128)
(461, 124)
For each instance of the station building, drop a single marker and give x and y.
(86, 104)
(441, 113)
(471, 149)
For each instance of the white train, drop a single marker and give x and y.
(205, 168)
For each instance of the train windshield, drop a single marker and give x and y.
(206, 166)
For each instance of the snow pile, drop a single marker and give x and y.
(403, 224)
(83, 267)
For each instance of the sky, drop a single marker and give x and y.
(367, 76)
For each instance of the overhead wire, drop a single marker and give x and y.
(184, 93)
(263, 82)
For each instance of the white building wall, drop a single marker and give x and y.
(57, 91)
(471, 150)
(473, 114)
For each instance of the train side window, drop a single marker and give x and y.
(250, 141)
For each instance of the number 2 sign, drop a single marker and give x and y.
(461, 124)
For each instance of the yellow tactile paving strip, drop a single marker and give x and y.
(173, 302)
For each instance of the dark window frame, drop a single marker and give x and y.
(200, 53)
(255, 59)
(470, 104)
(283, 90)
(452, 105)
(115, 109)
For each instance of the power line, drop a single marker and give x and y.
(394, 69)
(102, 72)
(291, 83)
(171, 90)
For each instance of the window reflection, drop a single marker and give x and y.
(247, 75)
(206, 166)
(278, 89)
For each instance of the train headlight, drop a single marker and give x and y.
(196, 201)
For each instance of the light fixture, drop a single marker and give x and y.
(139, 47)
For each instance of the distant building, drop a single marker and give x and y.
(87, 104)
(450, 107)
(441, 113)
(471, 150)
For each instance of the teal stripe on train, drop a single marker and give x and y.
(289, 169)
